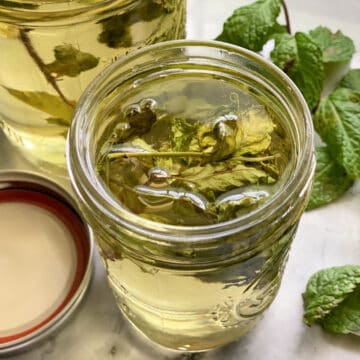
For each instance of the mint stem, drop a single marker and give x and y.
(115, 155)
(154, 153)
(287, 17)
(41, 65)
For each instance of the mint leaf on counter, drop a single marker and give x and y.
(337, 121)
(330, 181)
(351, 80)
(300, 57)
(252, 25)
(332, 299)
(345, 318)
(336, 47)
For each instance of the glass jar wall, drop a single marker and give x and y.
(185, 284)
(52, 49)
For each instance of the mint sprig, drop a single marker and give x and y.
(251, 26)
(332, 299)
(330, 181)
(303, 57)
(336, 47)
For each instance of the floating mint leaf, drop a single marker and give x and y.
(71, 61)
(331, 296)
(330, 181)
(351, 80)
(252, 25)
(337, 121)
(47, 103)
(301, 58)
(335, 47)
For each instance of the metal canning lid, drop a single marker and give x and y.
(46, 251)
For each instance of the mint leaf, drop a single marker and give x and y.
(327, 289)
(351, 80)
(335, 47)
(116, 31)
(71, 61)
(330, 180)
(221, 177)
(252, 25)
(301, 58)
(337, 121)
(345, 318)
(47, 103)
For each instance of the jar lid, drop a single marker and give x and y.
(46, 251)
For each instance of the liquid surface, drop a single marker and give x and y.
(37, 263)
(195, 152)
(44, 69)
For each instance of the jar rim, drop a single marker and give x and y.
(57, 12)
(77, 165)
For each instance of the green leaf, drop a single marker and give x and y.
(62, 126)
(301, 58)
(351, 80)
(168, 5)
(248, 132)
(335, 47)
(330, 180)
(252, 25)
(50, 104)
(71, 61)
(327, 289)
(182, 132)
(116, 31)
(237, 204)
(17, 4)
(337, 121)
(224, 176)
(345, 318)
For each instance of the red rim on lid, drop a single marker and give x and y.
(46, 252)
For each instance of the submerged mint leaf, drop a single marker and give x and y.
(71, 61)
(336, 47)
(301, 58)
(221, 177)
(330, 181)
(47, 103)
(327, 299)
(337, 121)
(351, 80)
(115, 31)
(235, 205)
(252, 25)
(182, 133)
(168, 5)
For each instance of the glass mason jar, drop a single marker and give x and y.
(52, 49)
(195, 287)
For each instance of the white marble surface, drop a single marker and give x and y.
(326, 237)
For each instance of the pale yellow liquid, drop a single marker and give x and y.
(26, 126)
(195, 310)
(192, 306)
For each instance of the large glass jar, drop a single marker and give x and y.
(191, 287)
(51, 49)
